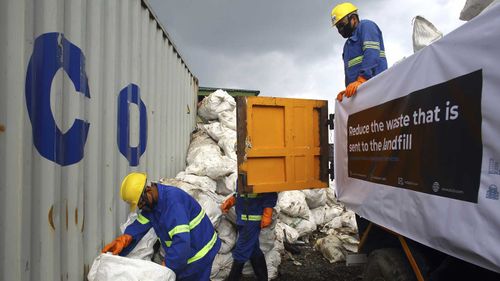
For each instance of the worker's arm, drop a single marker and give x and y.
(371, 38)
(137, 230)
(178, 248)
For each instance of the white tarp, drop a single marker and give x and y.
(435, 177)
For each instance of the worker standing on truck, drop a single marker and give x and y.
(186, 233)
(364, 52)
(364, 58)
(253, 212)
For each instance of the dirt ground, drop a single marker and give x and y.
(310, 265)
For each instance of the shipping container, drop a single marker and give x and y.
(282, 144)
(89, 91)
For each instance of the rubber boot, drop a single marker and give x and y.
(236, 271)
(259, 267)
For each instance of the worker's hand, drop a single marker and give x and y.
(228, 204)
(353, 87)
(118, 244)
(267, 217)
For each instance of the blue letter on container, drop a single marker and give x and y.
(131, 94)
(51, 52)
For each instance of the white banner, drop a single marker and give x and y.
(417, 150)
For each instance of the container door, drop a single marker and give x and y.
(282, 144)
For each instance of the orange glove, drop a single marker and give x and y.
(228, 204)
(267, 217)
(118, 244)
(340, 96)
(353, 87)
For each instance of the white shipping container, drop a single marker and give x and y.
(89, 91)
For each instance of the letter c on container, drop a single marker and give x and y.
(131, 94)
(51, 52)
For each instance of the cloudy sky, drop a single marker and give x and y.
(286, 48)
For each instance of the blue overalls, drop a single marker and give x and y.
(249, 209)
(185, 232)
(364, 52)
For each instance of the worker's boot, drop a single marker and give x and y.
(259, 267)
(236, 271)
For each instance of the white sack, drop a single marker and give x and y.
(203, 182)
(144, 249)
(331, 248)
(424, 33)
(291, 234)
(215, 130)
(228, 119)
(304, 227)
(228, 144)
(227, 185)
(221, 267)
(227, 235)
(325, 214)
(205, 158)
(472, 8)
(216, 103)
(335, 223)
(273, 260)
(315, 197)
(293, 203)
(107, 267)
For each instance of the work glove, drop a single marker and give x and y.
(353, 87)
(267, 217)
(118, 244)
(340, 96)
(228, 204)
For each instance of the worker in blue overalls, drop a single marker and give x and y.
(364, 51)
(253, 212)
(185, 232)
(364, 58)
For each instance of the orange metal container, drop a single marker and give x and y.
(282, 144)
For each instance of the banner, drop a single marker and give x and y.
(417, 149)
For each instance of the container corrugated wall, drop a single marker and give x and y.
(89, 91)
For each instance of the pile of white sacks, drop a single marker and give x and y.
(210, 177)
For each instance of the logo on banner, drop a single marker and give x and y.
(494, 167)
(492, 192)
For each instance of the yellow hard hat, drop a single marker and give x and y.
(342, 10)
(132, 186)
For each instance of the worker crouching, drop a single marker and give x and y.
(185, 232)
(253, 212)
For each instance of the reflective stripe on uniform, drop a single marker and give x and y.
(357, 60)
(142, 219)
(201, 253)
(371, 45)
(178, 229)
(196, 221)
(168, 243)
(251, 217)
(250, 195)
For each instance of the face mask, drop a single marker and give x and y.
(346, 30)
